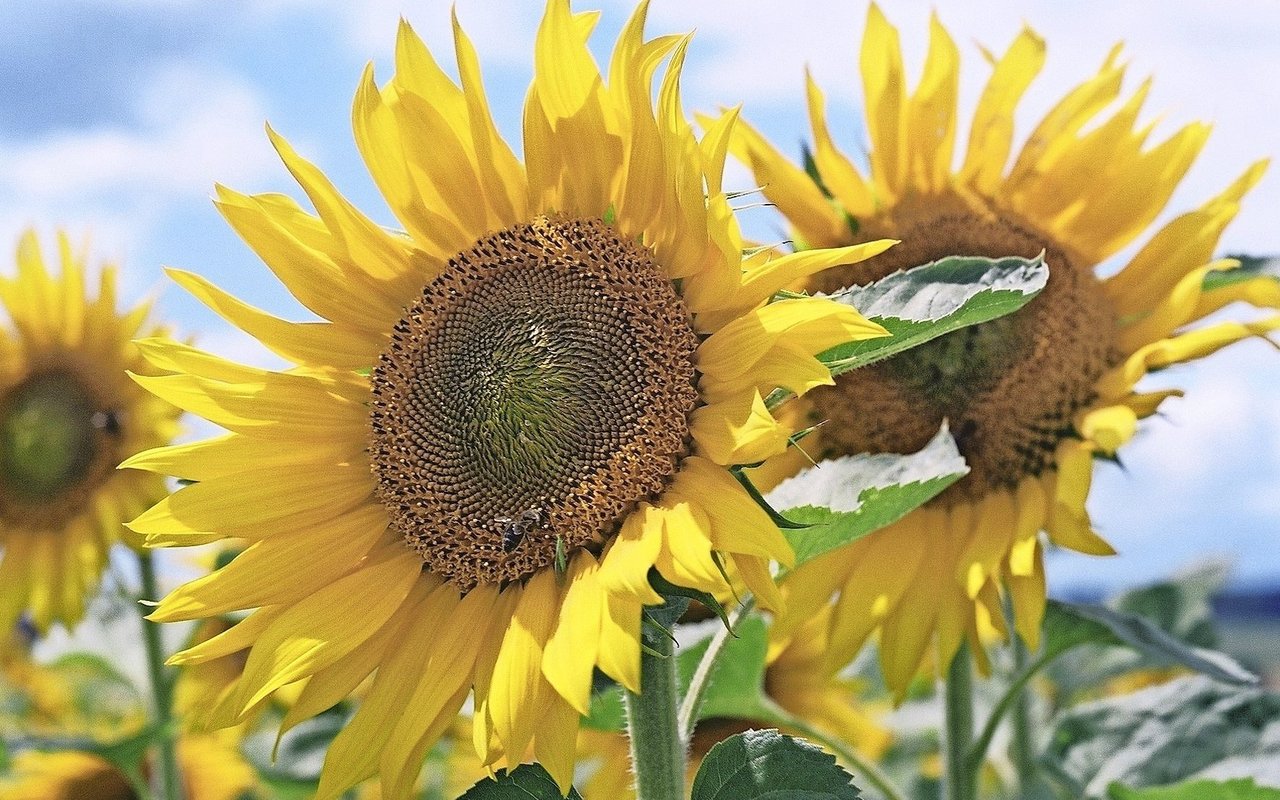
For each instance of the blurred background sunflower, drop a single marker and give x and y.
(68, 415)
(1033, 398)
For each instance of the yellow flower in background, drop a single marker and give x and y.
(552, 368)
(212, 769)
(1032, 398)
(68, 415)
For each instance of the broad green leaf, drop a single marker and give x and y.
(1179, 606)
(929, 301)
(607, 712)
(1250, 267)
(1067, 625)
(735, 687)
(1189, 728)
(1243, 789)
(844, 499)
(766, 764)
(525, 782)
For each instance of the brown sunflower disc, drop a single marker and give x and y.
(1009, 388)
(537, 390)
(58, 442)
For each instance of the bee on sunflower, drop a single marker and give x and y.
(509, 415)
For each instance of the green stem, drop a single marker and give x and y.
(961, 775)
(978, 752)
(657, 751)
(692, 702)
(167, 775)
(1021, 752)
(873, 774)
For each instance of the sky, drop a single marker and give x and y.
(118, 116)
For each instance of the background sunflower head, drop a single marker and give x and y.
(1033, 398)
(68, 415)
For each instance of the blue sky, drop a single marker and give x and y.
(116, 117)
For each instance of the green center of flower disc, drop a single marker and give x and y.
(1009, 388)
(48, 439)
(536, 391)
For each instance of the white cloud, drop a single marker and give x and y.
(1210, 61)
(189, 128)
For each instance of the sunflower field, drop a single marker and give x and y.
(580, 441)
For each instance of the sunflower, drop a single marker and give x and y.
(1033, 398)
(509, 414)
(212, 769)
(68, 415)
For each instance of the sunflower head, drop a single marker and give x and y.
(68, 415)
(506, 417)
(536, 391)
(1032, 398)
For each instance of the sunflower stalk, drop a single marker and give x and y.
(166, 776)
(657, 750)
(1021, 747)
(962, 772)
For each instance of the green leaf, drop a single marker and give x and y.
(525, 782)
(1250, 267)
(1243, 789)
(735, 687)
(846, 498)
(1179, 606)
(1067, 625)
(669, 590)
(1187, 729)
(607, 711)
(766, 764)
(929, 301)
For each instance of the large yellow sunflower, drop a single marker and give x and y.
(509, 414)
(68, 415)
(1032, 398)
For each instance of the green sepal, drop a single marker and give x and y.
(1250, 267)
(777, 519)
(668, 589)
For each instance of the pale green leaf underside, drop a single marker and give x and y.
(847, 498)
(929, 301)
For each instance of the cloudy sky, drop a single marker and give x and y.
(117, 116)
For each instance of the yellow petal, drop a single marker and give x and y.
(883, 86)
(991, 133)
(570, 655)
(1109, 427)
(624, 570)
(325, 626)
(839, 174)
(515, 698)
(739, 430)
(931, 113)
